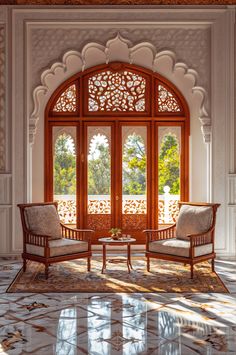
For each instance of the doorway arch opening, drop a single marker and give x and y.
(117, 149)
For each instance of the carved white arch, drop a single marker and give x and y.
(120, 49)
(99, 130)
(173, 130)
(137, 130)
(68, 130)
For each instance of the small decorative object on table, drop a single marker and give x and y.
(115, 233)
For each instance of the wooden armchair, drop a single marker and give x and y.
(190, 240)
(47, 240)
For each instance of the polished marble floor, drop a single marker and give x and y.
(107, 324)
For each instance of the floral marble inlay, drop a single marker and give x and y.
(117, 340)
(35, 305)
(118, 323)
(9, 343)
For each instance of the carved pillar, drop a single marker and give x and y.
(2, 100)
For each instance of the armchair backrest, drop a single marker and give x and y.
(195, 218)
(41, 219)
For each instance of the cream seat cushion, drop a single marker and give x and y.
(193, 220)
(43, 220)
(58, 247)
(178, 247)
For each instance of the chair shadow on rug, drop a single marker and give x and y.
(190, 240)
(46, 240)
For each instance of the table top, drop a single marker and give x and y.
(120, 240)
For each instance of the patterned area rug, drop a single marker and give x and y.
(72, 276)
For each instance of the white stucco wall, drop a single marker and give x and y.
(193, 48)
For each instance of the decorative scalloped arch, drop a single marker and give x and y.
(120, 49)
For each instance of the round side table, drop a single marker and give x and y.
(122, 241)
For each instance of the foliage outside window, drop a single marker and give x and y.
(64, 166)
(169, 165)
(134, 166)
(99, 176)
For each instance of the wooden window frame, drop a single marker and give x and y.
(151, 117)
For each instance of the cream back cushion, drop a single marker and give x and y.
(193, 220)
(43, 220)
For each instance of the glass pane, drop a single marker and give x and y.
(116, 92)
(169, 151)
(64, 172)
(134, 170)
(99, 170)
(67, 100)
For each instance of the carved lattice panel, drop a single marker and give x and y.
(167, 101)
(67, 101)
(99, 221)
(134, 206)
(134, 221)
(116, 92)
(67, 210)
(99, 206)
(173, 211)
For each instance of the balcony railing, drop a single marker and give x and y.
(132, 204)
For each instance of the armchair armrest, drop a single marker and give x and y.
(36, 239)
(202, 238)
(160, 234)
(77, 234)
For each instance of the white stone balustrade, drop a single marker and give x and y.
(132, 204)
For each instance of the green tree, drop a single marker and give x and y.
(64, 166)
(133, 170)
(99, 176)
(169, 164)
(134, 166)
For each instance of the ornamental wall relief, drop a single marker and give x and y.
(190, 46)
(184, 66)
(2, 99)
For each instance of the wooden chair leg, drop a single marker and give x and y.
(46, 271)
(24, 265)
(148, 264)
(213, 265)
(89, 264)
(191, 271)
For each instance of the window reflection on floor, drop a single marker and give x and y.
(130, 325)
(67, 332)
(99, 327)
(180, 332)
(134, 325)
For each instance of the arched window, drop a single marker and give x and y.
(124, 134)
